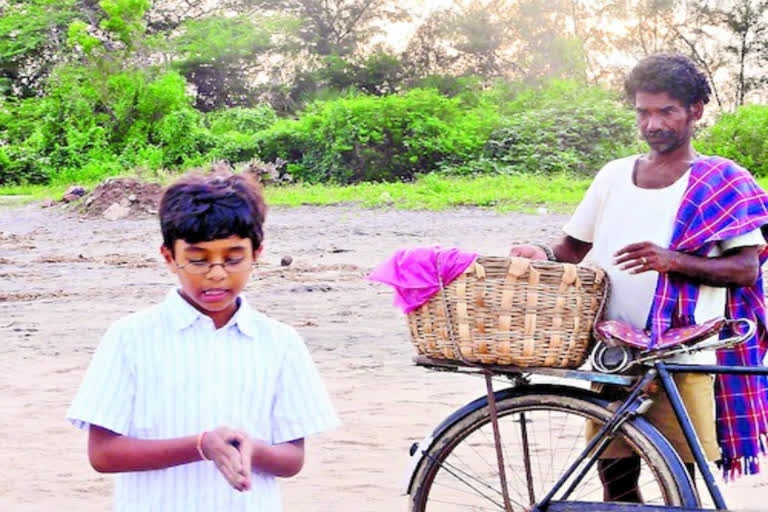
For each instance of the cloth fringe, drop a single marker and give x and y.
(743, 466)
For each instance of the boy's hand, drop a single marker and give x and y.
(224, 446)
(245, 448)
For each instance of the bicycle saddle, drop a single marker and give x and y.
(614, 332)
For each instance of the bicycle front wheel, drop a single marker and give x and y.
(542, 432)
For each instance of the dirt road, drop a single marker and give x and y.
(64, 279)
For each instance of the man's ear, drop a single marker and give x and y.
(697, 110)
(169, 260)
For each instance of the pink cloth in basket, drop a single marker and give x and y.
(413, 273)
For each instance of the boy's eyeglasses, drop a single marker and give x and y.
(230, 266)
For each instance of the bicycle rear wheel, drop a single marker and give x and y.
(459, 470)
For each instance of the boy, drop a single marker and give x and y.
(199, 402)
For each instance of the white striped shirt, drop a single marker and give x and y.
(166, 372)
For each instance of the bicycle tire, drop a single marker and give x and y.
(662, 462)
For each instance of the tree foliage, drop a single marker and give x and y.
(217, 54)
(521, 39)
(336, 27)
(92, 87)
(32, 36)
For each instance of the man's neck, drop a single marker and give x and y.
(682, 156)
(659, 170)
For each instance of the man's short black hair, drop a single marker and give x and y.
(204, 208)
(675, 75)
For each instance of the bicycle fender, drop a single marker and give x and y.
(420, 449)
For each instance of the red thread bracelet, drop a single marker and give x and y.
(200, 445)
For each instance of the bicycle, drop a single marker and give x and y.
(523, 448)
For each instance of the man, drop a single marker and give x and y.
(679, 236)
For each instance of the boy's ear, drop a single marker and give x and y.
(257, 252)
(168, 257)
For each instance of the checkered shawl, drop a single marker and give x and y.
(722, 201)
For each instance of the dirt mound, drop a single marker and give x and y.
(118, 198)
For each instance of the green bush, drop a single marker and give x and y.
(240, 119)
(450, 86)
(564, 127)
(232, 132)
(740, 136)
(368, 138)
(91, 120)
(181, 137)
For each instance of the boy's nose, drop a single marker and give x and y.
(216, 272)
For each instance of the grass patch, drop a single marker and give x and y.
(435, 192)
(21, 194)
(517, 192)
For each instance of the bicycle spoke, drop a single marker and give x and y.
(477, 491)
(454, 471)
(493, 468)
(598, 487)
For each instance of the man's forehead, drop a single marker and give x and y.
(656, 99)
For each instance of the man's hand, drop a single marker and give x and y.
(644, 257)
(227, 448)
(532, 252)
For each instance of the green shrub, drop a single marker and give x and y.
(231, 132)
(241, 119)
(740, 136)
(562, 128)
(451, 86)
(91, 120)
(368, 138)
(514, 98)
(180, 135)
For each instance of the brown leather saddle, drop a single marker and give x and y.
(620, 345)
(615, 331)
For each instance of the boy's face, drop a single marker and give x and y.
(212, 289)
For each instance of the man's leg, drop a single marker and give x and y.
(620, 478)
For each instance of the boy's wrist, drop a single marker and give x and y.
(199, 445)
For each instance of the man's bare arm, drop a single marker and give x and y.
(736, 267)
(571, 250)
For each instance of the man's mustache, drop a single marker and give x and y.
(660, 134)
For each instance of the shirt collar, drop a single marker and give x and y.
(183, 314)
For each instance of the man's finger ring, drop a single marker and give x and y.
(644, 260)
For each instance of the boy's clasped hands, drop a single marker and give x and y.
(231, 451)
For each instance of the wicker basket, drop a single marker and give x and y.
(513, 311)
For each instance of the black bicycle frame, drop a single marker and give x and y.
(665, 371)
(600, 441)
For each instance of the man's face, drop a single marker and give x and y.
(665, 123)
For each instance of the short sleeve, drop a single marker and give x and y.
(106, 395)
(301, 406)
(746, 240)
(581, 225)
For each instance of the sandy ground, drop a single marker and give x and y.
(64, 279)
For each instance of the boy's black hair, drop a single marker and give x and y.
(203, 208)
(675, 75)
